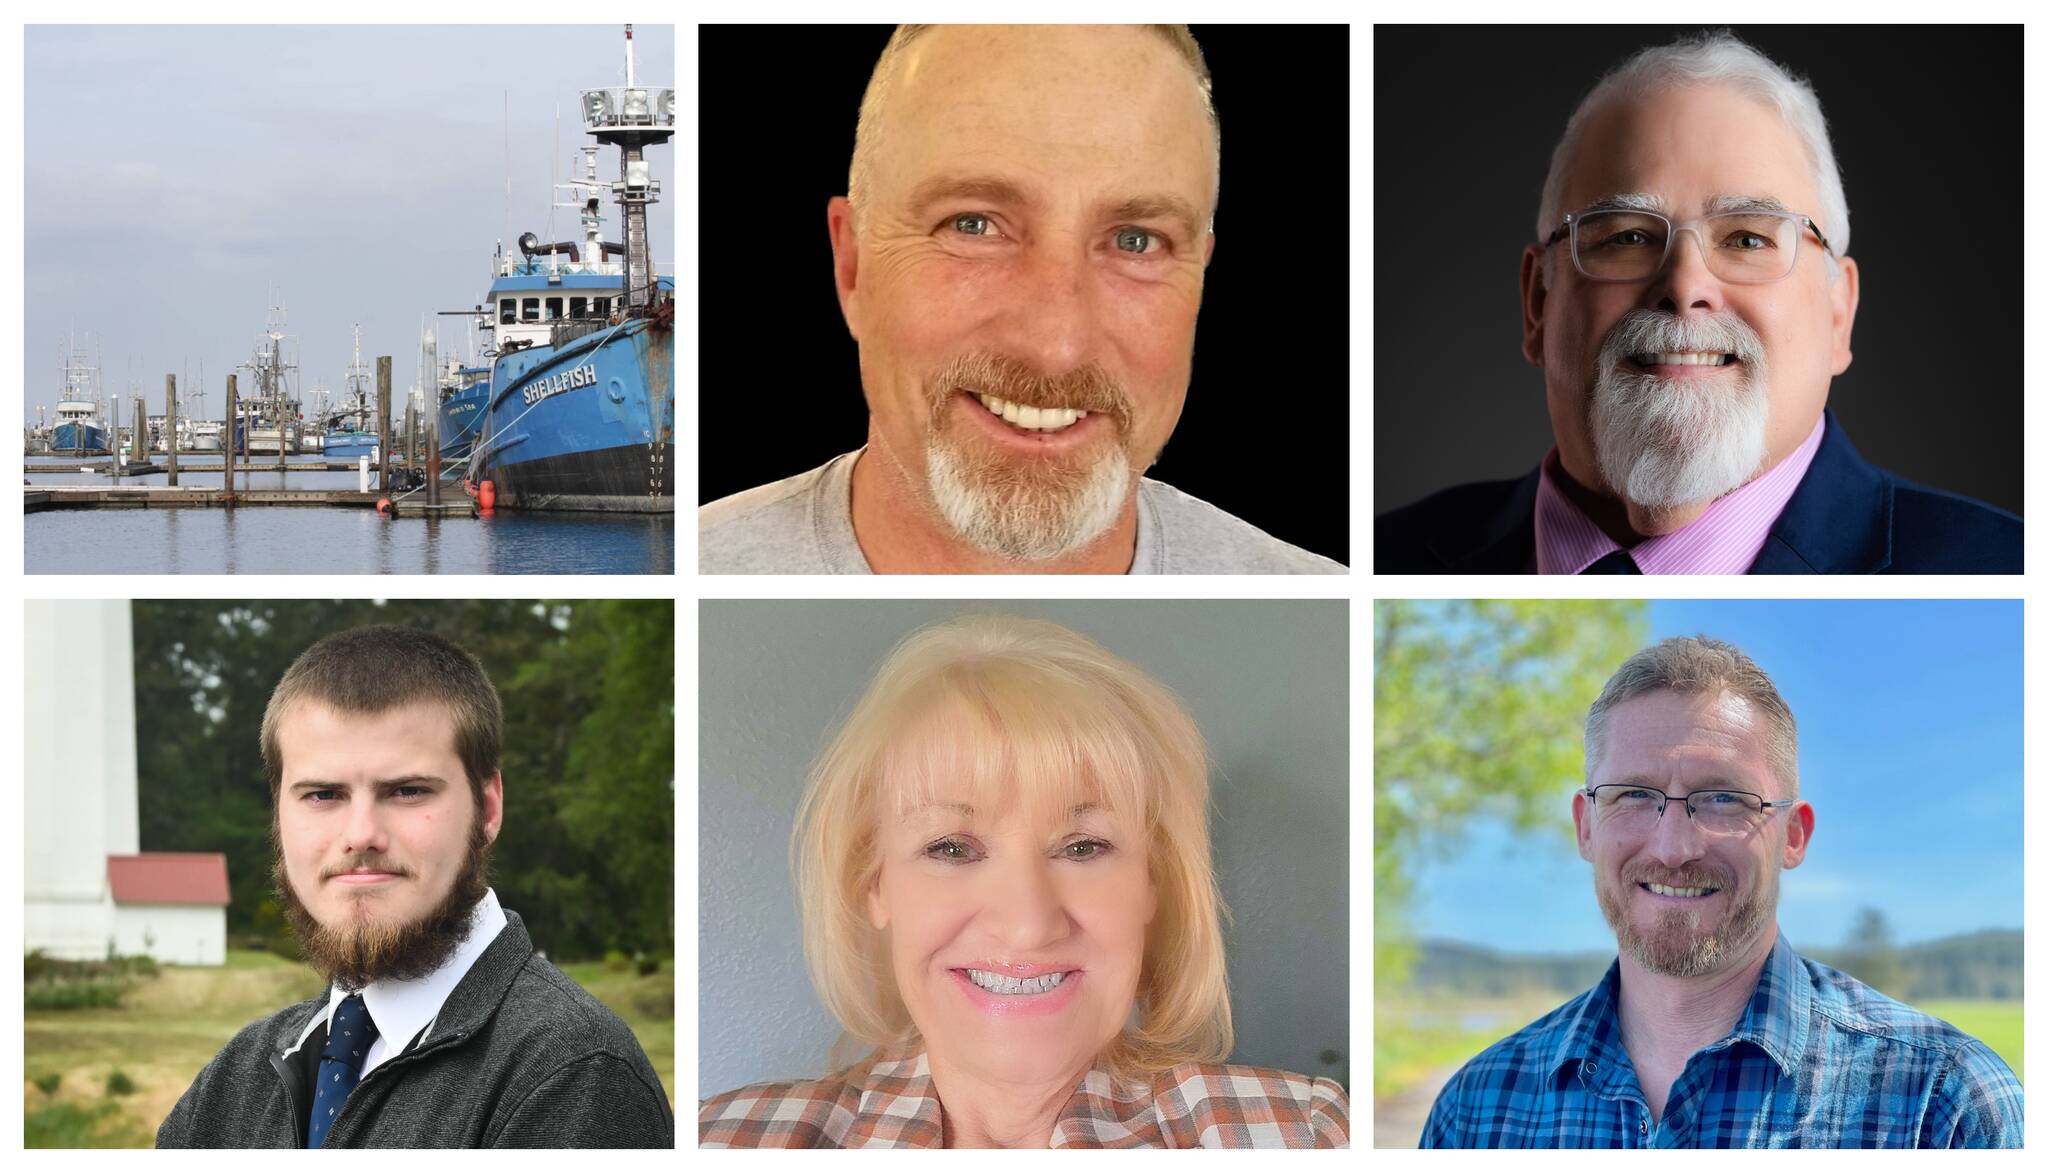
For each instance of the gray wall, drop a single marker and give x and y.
(1266, 682)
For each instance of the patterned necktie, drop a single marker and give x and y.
(1616, 562)
(341, 1064)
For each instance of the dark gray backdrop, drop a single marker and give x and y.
(1926, 129)
(1265, 681)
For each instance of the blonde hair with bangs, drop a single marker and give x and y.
(1017, 710)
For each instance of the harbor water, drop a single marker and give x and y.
(326, 539)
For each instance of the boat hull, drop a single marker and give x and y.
(348, 445)
(589, 425)
(78, 440)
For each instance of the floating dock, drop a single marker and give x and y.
(37, 499)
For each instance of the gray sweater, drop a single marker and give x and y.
(519, 1057)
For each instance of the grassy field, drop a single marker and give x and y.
(168, 1027)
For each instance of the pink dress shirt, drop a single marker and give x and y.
(1723, 540)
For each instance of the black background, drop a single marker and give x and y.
(1265, 431)
(1926, 130)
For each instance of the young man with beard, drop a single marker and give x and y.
(1709, 1031)
(1689, 298)
(1020, 259)
(440, 1026)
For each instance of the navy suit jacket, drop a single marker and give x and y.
(1847, 517)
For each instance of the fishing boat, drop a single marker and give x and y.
(268, 421)
(575, 408)
(80, 430)
(351, 430)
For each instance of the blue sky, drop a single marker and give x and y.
(176, 173)
(1910, 722)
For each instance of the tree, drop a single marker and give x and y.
(1870, 954)
(1478, 711)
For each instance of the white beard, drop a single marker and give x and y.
(1663, 444)
(1026, 520)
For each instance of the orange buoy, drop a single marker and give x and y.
(384, 505)
(487, 495)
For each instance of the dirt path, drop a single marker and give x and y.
(1397, 1120)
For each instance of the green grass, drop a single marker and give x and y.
(1998, 1024)
(65, 1124)
(1416, 1035)
(170, 1026)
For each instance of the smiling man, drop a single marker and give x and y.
(1708, 1030)
(1020, 260)
(440, 1026)
(1689, 297)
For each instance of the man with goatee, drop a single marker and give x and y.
(440, 1026)
(1709, 1031)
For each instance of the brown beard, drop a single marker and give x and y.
(357, 952)
(1677, 946)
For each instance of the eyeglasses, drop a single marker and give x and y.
(1747, 248)
(1715, 812)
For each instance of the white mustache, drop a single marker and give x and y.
(1656, 332)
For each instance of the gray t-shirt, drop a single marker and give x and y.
(804, 525)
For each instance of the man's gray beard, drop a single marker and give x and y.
(1026, 511)
(1677, 946)
(1662, 444)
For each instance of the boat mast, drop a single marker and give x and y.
(633, 120)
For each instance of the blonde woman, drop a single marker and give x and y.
(1003, 866)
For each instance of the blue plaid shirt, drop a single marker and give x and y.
(1818, 1060)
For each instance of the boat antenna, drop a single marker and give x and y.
(508, 171)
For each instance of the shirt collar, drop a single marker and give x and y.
(899, 1102)
(1775, 1019)
(402, 1009)
(1724, 539)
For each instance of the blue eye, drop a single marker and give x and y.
(1082, 850)
(972, 224)
(1135, 240)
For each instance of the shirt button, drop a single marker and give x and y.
(1643, 1126)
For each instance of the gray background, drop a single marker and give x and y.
(1266, 682)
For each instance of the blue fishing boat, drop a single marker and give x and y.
(351, 430)
(576, 408)
(79, 430)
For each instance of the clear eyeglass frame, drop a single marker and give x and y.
(1572, 221)
(1764, 809)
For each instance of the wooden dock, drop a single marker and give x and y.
(187, 464)
(37, 498)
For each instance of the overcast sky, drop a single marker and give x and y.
(174, 174)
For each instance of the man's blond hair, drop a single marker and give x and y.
(868, 129)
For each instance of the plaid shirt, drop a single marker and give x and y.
(892, 1104)
(1818, 1060)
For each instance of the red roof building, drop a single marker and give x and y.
(169, 877)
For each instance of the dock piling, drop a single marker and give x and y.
(171, 428)
(384, 422)
(227, 482)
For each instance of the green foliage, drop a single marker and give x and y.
(48, 1082)
(118, 1083)
(616, 961)
(646, 964)
(65, 1124)
(74, 994)
(1479, 708)
(586, 854)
